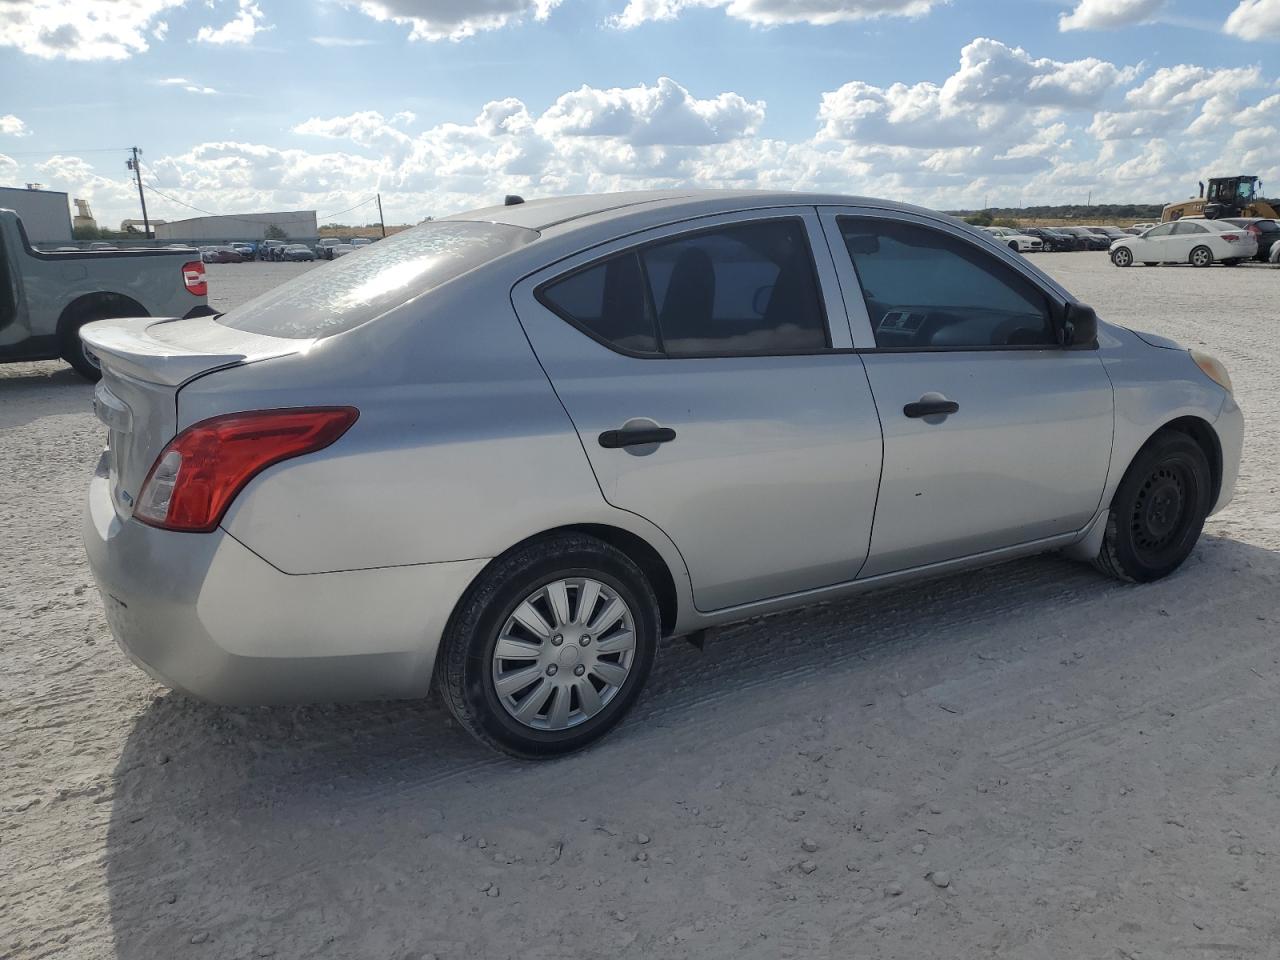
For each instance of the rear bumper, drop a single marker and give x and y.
(203, 614)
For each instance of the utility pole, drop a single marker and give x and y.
(381, 222)
(136, 167)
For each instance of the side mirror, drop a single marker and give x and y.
(1079, 327)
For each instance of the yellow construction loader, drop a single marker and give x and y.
(1227, 197)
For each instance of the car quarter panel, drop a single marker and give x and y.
(461, 449)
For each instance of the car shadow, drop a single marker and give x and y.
(244, 827)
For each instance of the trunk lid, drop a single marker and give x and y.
(145, 363)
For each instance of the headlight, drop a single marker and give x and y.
(1213, 369)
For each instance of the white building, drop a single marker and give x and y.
(296, 224)
(46, 215)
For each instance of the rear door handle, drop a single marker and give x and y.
(635, 436)
(930, 407)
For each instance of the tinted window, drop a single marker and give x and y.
(608, 302)
(927, 289)
(356, 289)
(1182, 227)
(1164, 230)
(737, 290)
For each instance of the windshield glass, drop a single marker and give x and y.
(354, 290)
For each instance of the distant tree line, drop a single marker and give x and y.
(995, 216)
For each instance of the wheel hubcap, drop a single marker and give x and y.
(563, 654)
(1160, 509)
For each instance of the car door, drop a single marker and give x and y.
(994, 435)
(1155, 245)
(707, 369)
(1186, 237)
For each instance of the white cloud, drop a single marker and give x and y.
(453, 19)
(80, 30)
(188, 85)
(1255, 20)
(768, 13)
(240, 29)
(643, 115)
(1109, 14)
(11, 126)
(341, 42)
(1183, 98)
(997, 94)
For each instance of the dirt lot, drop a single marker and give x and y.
(1026, 762)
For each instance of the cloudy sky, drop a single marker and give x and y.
(244, 105)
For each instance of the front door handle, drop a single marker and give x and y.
(635, 436)
(930, 406)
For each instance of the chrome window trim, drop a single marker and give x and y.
(838, 336)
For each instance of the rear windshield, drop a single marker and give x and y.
(357, 288)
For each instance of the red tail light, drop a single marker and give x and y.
(193, 276)
(1254, 229)
(203, 468)
(1231, 237)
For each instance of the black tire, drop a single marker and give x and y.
(463, 672)
(1158, 510)
(1201, 257)
(1122, 257)
(72, 347)
(1013, 245)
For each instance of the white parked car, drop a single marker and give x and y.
(1197, 242)
(340, 250)
(1143, 227)
(1014, 240)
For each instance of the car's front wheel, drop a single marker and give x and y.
(1122, 257)
(550, 647)
(1158, 510)
(1201, 257)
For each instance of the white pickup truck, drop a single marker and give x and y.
(45, 298)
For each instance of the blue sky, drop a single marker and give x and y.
(444, 104)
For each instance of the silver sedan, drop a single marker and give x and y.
(508, 451)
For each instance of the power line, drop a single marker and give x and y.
(183, 203)
(50, 153)
(348, 210)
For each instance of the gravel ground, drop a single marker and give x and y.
(1030, 761)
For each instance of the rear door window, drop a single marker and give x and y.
(746, 289)
(380, 277)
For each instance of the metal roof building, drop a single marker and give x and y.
(46, 215)
(296, 224)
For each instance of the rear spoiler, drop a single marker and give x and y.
(132, 348)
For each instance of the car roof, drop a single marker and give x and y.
(550, 212)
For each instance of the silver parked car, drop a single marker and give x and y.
(510, 450)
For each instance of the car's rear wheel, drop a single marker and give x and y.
(550, 647)
(1201, 257)
(1158, 510)
(73, 348)
(1122, 257)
